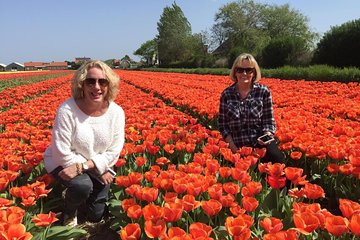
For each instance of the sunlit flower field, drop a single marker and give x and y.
(176, 178)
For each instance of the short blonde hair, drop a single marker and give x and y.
(77, 82)
(251, 59)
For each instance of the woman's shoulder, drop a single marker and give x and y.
(229, 90)
(261, 87)
(115, 109)
(67, 106)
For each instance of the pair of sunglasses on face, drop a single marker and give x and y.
(92, 82)
(244, 70)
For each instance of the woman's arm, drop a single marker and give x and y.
(61, 141)
(223, 124)
(268, 119)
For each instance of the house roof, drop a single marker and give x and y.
(57, 64)
(2, 65)
(34, 64)
(16, 64)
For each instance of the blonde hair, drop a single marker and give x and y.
(77, 82)
(251, 59)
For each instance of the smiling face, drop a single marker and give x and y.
(95, 93)
(245, 72)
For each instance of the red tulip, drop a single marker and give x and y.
(211, 207)
(131, 231)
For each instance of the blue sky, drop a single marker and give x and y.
(49, 30)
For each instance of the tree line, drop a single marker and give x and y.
(276, 35)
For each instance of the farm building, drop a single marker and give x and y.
(2, 67)
(56, 66)
(15, 66)
(32, 66)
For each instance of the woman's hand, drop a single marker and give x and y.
(107, 178)
(69, 173)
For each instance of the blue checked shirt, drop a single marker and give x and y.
(246, 119)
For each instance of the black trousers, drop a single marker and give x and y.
(273, 153)
(84, 190)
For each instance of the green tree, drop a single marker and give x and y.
(285, 50)
(173, 32)
(251, 26)
(147, 51)
(340, 47)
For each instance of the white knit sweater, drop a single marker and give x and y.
(77, 137)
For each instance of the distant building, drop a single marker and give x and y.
(33, 66)
(56, 66)
(2, 67)
(82, 59)
(15, 66)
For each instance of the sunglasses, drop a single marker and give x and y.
(92, 82)
(246, 70)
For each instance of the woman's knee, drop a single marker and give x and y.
(82, 186)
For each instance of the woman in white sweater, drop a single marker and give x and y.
(87, 138)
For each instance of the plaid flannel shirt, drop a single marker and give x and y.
(246, 119)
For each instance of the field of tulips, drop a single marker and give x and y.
(176, 177)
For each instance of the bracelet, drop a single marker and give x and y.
(78, 171)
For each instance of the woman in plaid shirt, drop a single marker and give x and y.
(246, 110)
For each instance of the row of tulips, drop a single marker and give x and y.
(13, 96)
(309, 118)
(26, 74)
(156, 137)
(215, 186)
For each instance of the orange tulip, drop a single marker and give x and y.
(176, 233)
(348, 207)
(276, 182)
(170, 197)
(336, 225)
(190, 203)
(172, 211)
(126, 203)
(251, 189)
(313, 191)
(135, 177)
(355, 224)
(140, 161)
(237, 227)
(131, 231)
(211, 207)
(134, 211)
(228, 200)
(152, 212)
(180, 185)
(296, 155)
(215, 191)
(225, 172)
(249, 203)
(240, 175)
(276, 169)
(200, 230)
(272, 224)
(44, 220)
(4, 203)
(306, 222)
(122, 181)
(237, 210)
(231, 188)
(149, 194)
(155, 228)
(16, 231)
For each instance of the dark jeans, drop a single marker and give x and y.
(273, 154)
(84, 190)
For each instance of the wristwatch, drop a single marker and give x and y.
(85, 167)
